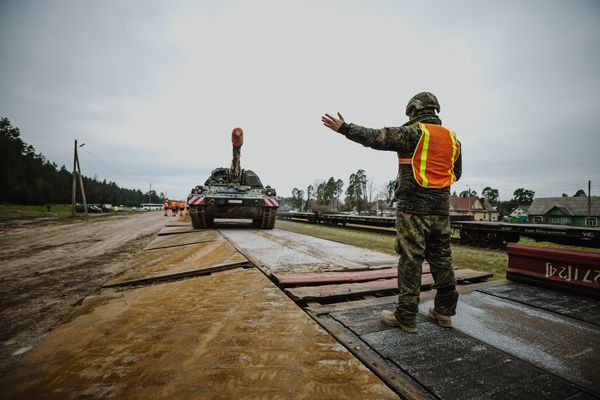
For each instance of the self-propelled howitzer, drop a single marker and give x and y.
(233, 193)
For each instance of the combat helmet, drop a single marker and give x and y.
(422, 101)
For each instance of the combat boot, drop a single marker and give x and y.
(443, 320)
(389, 318)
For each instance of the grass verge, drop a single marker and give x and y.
(15, 211)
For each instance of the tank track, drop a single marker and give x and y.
(199, 219)
(268, 218)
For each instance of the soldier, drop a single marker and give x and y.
(430, 161)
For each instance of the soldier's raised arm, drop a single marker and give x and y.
(392, 139)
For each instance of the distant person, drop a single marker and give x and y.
(181, 208)
(430, 161)
(174, 207)
(166, 207)
(48, 207)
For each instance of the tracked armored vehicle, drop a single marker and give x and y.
(233, 193)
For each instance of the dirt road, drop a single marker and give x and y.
(48, 268)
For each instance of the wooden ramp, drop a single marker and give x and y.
(230, 335)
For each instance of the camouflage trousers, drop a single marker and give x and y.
(419, 238)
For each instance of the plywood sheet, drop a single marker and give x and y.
(277, 250)
(180, 240)
(178, 261)
(168, 230)
(233, 335)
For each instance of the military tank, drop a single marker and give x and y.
(233, 193)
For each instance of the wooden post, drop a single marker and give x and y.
(589, 221)
(81, 183)
(74, 186)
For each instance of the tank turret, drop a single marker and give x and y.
(237, 140)
(234, 193)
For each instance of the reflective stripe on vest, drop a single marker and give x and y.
(434, 157)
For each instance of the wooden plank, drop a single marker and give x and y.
(182, 275)
(317, 308)
(287, 279)
(165, 241)
(176, 230)
(175, 261)
(320, 309)
(465, 275)
(329, 292)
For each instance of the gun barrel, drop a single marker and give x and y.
(237, 137)
(237, 140)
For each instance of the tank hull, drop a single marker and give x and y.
(205, 209)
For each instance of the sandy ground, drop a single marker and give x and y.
(48, 268)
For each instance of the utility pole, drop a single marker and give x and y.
(77, 170)
(74, 185)
(81, 180)
(469, 197)
(589, 219)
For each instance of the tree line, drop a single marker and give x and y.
(326, 196)
(26, 177)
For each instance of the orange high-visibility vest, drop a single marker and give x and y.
(434, 157)
(174, 204)
(181, 204)
(166, 203)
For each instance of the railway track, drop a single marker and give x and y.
(495, 234)
(391, 232)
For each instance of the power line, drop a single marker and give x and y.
(104, 164)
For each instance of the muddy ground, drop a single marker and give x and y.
(49, 267)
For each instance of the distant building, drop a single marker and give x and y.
(519, 214)
(480, 209)
(565, 211)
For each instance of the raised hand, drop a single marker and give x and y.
(333, 123)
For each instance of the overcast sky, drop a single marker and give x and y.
(154, 88)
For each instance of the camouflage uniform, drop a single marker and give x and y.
(422, 223)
